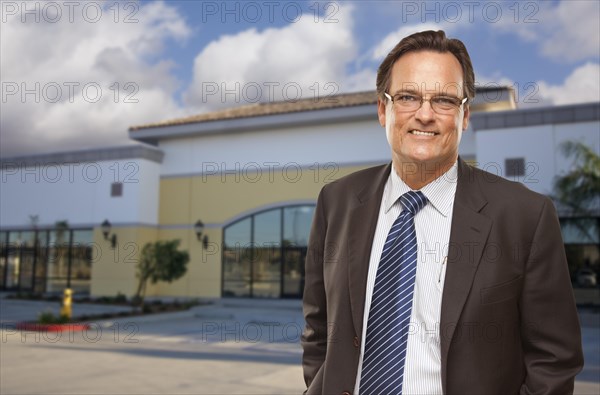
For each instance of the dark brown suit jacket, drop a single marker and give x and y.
(508, 320)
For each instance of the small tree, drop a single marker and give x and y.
(159, 261)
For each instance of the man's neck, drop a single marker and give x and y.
(417, 175)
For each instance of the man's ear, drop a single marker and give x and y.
(466, 115)
(381, 112)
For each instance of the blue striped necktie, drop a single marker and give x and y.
(391, 305)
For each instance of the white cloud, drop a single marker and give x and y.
(576, 34)
(582, 85)
(293, 61)
(119, 58)
(566, 31)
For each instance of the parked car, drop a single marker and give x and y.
(586, 278)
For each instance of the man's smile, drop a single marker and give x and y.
(423, 133)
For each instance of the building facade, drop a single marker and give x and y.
(251, 175)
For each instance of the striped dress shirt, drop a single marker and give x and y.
(422, 372)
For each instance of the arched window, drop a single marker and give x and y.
(264, 253)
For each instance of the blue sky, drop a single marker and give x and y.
(495, 51)
(154, 60)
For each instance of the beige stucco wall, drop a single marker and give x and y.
(215, 200)
(113, 270)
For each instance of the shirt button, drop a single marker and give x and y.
(356, 342)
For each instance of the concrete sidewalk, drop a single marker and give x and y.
(231, 347)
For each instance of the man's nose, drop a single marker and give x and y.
(425, 113)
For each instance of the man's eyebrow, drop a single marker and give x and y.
(411, 91)
(417, 93)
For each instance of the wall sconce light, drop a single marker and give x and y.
(198, 228)
(105, 226)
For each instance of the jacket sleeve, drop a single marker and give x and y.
(314, 337)
(550, 330)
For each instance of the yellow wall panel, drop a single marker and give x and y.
(174, 203)
(215, 200)
(113, 270)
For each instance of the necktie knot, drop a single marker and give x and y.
(413, 201)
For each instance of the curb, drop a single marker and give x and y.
(34, 327)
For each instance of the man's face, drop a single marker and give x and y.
(427, 74)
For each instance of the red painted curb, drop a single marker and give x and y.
(28, 326)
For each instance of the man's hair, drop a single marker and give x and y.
(427, 41)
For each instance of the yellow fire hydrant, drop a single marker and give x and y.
(66, 309)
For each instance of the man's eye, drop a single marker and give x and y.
(407, 98)
(446, 101)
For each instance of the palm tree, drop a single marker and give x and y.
(578, 191)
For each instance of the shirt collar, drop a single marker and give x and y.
(440, 192)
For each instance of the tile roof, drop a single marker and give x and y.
(272, 108)
(503, 100)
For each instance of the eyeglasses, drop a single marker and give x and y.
(407, 102)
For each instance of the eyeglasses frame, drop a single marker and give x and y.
(391, 99)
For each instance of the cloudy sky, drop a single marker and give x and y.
(78, 74)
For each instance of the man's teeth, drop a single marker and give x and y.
(419, 133)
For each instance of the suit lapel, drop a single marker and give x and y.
(468, 235)
(363, 222)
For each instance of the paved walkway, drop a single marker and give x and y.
(232, 347)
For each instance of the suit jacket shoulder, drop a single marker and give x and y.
(354, 189)
(360, 181)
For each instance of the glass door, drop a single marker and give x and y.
(293, 272)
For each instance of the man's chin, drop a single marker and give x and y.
(425, 162)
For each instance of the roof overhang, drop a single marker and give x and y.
(249, 124)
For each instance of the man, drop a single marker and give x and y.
(428, 276)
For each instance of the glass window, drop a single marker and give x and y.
(514, 167)
(3, 252)
(236, 258)
(293, 271)
(256, 253)
(297, 222)
(266, 258)
(41, 262)
(584, 265)
(580, 230)
(12, 260)
(267, 227)
(81, 261)
(58, 260)
(26, 257)
(582, 247)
